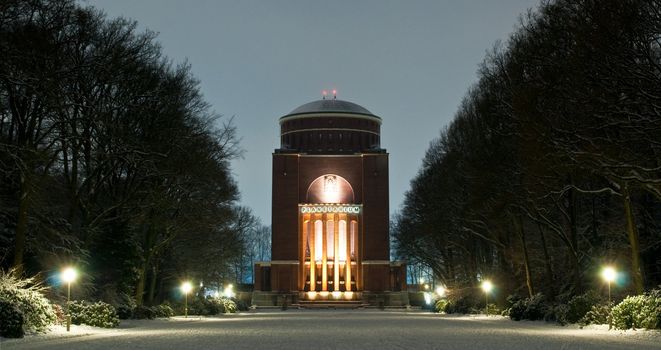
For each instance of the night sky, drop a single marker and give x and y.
(409, 62)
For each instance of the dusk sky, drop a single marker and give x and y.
(409, 62)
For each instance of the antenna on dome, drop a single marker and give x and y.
(323, 94)
(334, 94)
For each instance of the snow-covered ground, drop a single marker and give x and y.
(363, 329)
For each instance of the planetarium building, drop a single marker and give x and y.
(330, 239)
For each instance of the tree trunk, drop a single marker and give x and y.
(140, 288)
(148, 252)
(573, 229)
(518, 223)
(547, 263)
(21, 223)
(152, 284)
(632, 233)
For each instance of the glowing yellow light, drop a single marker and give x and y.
(337, 295)
(487, 286)
(312, 295)
(608, 274)
(229, 291)
(324, 294)
(348, 295)
(426, 286)
(428, 298)
(186, 287)
(440, 291)
(69, 275)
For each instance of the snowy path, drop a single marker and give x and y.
(339, 330)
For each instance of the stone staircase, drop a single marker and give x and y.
(330, 304)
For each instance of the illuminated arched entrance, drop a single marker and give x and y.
(329, 227)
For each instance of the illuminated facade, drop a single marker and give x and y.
(330, 207)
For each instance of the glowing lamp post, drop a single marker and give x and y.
(69, 275)
(229, 291)
(609, 274)
(186, 287)
(486, 287)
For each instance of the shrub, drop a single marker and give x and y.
(516, 307)
(163, 310)
(580, 305)
(60, 316)
(537, 307)
(229, 305)
(144, 312)
(598, 314)
(241, 305)
(441, 305)
(640, 311)
(534, 308)
(124, 312)
(12, 320)
(466, 302)
(97, 314)
(494, 309)
(557, 313)
(215, 305)
(26, 295)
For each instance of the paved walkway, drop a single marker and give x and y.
(315, 330)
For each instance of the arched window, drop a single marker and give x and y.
(330, 188)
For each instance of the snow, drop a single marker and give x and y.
(335, 329)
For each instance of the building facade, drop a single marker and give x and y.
(330, 215)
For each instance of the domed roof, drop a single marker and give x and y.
(330, 106)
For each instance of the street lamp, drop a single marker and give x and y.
(68, 275)
(486, 287)
(229, 291)
(186, 287)
(440, 291)
(609, 274)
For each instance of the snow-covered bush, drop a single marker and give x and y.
(640, 311)
(440, 305)
(26, 295)
(97, 314)
(229, 305)
(124, 312)
(60, 317)
(211, 306)
(241, 305)
(598, 314)
(516, 308)
(494, 309)
(581, 304)
(205, 306)
(468, 302)
(144, 312)
(163, 310)
(534, 308)
(12, 320)
(575, 309)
